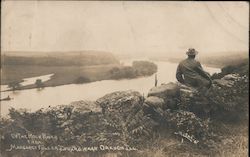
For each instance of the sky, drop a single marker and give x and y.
(125, 27)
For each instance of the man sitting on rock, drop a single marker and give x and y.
(191, 73)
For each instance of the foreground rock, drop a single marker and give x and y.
(169, 104)
(123, 113)
(120, 103)
(191, 108)
(154, 101)
(165, 91)
(79, 106)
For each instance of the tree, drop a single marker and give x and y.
(144, 68)
(81, 80)
(14, 85)
(39, 83)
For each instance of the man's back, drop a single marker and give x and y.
(189, 67)
(193, 73)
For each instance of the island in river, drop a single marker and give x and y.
(67, 68)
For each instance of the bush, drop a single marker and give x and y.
(14, 85)
(123, 72)
(82, 79)
(39, 83)
(144, 68)
(139, 68)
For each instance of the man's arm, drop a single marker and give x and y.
(203, 73)
(179, 74)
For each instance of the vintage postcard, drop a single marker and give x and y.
(124, 78)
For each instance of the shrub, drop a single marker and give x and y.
(81, 79)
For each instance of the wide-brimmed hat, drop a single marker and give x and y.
(191, 51)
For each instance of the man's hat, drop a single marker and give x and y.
(191, 51)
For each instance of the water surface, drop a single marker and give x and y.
(29, 81)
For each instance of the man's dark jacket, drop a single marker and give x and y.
(190, 72)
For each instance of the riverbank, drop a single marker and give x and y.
(62, 75)
(18, 65)
(79, 75)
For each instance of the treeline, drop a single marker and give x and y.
(79, 59)
(219, 61)
(225, 60)
(241, 68)
(138, 68)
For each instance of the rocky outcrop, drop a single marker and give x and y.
(126, 112)
(168, 92)
(120, 103)
(122, 112)
(74, 108)
(68, 115)
(165, 91)
(170, 104)
(191, 107)
(154, 101)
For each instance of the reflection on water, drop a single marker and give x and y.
(34, 99)
(29, 81)
(32, 80)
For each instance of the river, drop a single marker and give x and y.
(34, 99)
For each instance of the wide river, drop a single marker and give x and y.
(34, 99)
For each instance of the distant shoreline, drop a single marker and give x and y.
(27, 88)
(177, 61)
(211, 61)
(81, 75)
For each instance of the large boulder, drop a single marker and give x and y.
(223, 83)
(226, 95)
(120, 103)
(74, 109)
(229, 96)
(85, 106)
(66, 115)
(151, 104)
(165, 91)
(154, 101)
(229, 80)
(123, 114)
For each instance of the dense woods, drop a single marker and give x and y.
(138, 68)
(78, 59)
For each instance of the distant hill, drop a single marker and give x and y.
(76, 58)
(213, 60)
(241, 68)
(225, 60)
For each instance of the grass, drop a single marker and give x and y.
(233, 143)
(236, 146)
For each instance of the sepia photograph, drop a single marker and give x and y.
(124, 78)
